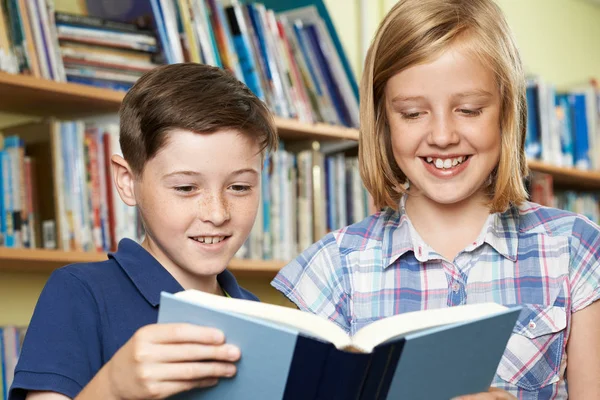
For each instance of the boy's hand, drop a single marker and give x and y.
(163, 359)
(493, 394)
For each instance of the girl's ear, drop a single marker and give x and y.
(124, 179)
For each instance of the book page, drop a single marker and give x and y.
(402, 324)
(304, 322)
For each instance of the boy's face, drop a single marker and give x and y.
(444, 119)
(198, 198)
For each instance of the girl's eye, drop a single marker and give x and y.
(184, 189)
(413, 115)
(240, 188)
(470, 113)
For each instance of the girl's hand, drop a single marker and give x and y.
(164, 359)
(493, 394)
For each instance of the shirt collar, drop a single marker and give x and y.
(502, 233)
(399, 236)
(151, 278)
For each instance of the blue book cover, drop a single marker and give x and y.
(244, 50)
(533, 146)
(3, 155)
(7, 206)
(280, 6)
(314, 41)
(581, 156)
(290, 354)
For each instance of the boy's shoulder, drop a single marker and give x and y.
(534, 218)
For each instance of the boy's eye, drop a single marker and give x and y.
(185, 189)
(240, 188)
(470, 113)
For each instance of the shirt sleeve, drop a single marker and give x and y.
(584, 271)
(315, 282)
(61, 351)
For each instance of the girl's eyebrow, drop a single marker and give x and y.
(473, 93)
(469, 93)
(403, 99)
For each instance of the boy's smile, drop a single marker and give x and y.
(444, 120)
(198, 198)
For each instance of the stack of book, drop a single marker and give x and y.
(104, 53)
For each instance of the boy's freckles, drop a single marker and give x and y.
(199, 197)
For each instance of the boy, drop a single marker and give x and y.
(193, 140)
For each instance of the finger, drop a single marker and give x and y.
(195, 352)
(180, 333)
(478, 396)
(501, 394)
(190, 371)
(166, 389)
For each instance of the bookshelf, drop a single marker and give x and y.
(41, 260)
(38, 97)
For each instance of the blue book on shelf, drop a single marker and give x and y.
(287, 5)
(290, 354)
(533, 145)
(581, 157)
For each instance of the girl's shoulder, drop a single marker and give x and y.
(533, 218)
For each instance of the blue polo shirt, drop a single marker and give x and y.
(86, 312)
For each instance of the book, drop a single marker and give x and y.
(291, 354)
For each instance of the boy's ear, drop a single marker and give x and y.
(124, 179)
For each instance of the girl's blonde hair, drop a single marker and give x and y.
(417, 31)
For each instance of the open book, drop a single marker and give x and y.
(292, 354)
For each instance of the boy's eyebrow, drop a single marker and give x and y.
(197, 173)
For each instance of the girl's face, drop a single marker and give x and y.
(444, 119)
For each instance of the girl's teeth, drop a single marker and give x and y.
(445, 163)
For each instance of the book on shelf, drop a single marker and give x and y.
(291, 59)
(292, 354)
(563, 125)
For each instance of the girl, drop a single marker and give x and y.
(443, 115)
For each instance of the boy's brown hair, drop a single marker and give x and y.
(192, 97)
(418, 31)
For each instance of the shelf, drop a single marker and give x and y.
(40, 260)
(41, 97)
(568, 177)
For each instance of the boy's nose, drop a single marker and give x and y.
(443, 132)
(214, 209)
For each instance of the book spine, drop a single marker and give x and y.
(344, 375)
(381, 370)
(307, 368)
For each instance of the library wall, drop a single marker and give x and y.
(549, 32)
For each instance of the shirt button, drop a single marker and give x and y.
(455, 287)
(532, 325)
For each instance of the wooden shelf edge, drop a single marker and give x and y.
(576, 178)
(41, 260)
(326, 131)
(74, 90)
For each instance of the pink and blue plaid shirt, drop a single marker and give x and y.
(545, 259)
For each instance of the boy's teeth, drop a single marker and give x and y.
(445, 163)
(209, 239)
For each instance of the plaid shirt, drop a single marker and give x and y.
(542, 258)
